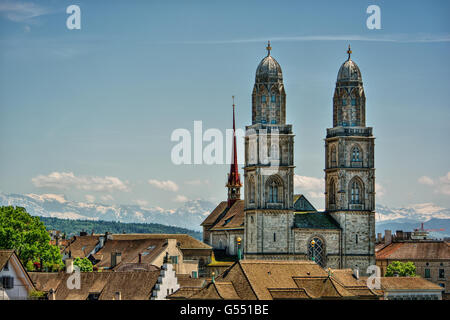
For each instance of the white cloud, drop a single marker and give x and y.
(45, 197)
(441, 185)
(67, 180)
(22, 11)
(107, 197)
(164, 185)
(444, 185)
(426, 180)
(89, 198)
(380, 190)
(180, 198)
(312, 187)
(399, 38)
(142, 203)
(197, 182)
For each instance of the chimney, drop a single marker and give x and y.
(356, 273)
(69, 265)
(51, 294)
(118, 296)
(387, 237)
(101, 241)
(140, 258)
(116, 258)
(378, 237)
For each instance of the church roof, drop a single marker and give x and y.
(214, 215)
(223, 218)
(269, 69)
(233, 217)
(315, 220)
(301, 204)
(349, 70)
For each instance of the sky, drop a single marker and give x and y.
(89, 112)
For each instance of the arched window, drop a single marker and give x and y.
(274, 189)
(356, 154)
(332, 192)
(273, 192)
(316, 249)
(355, 192)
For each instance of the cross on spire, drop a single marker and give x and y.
(268, 48)
(349, 51)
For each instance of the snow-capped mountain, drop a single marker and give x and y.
(411, 217)
(193, 212)
(189, 215)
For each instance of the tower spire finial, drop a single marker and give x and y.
(349, 51)
(268, 48)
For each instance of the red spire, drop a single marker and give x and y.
(234, 182)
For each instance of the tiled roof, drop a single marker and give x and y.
(223, 218)
(282, 279)
(184, 292)
(214, 215)
(264, 274)
(44, 281)
(315, 220)
(185, 280)
(4, 257)
(185, 240)
(226, 290)
(81, 246)
(233, 218)
(417, 250)
(323, 287)
(407, 283)
(130, 249)
(131, 285)
(289, 293)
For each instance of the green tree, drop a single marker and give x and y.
(28, 237)
(84, 264)
(402, 269)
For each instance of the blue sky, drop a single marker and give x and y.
(89, 113)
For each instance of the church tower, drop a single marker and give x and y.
(234, 181)
(350, 170)
(269, 168)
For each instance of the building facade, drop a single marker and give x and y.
(273, 222)
(269, 167)
(350, 169)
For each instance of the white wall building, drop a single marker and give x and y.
(15, 283)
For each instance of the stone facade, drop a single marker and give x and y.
(272, 226)
(269, 167)
(350, 170)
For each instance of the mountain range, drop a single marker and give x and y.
(191, 213)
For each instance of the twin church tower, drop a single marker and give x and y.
(272, 221)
